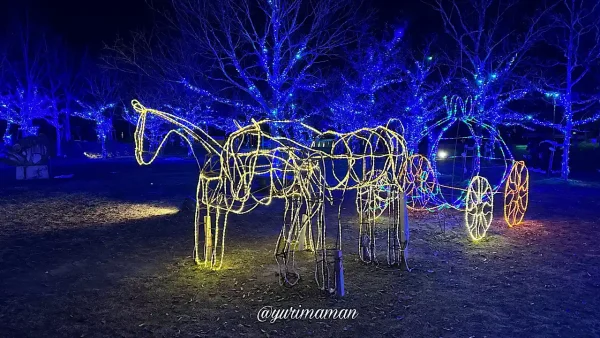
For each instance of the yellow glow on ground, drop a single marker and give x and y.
(139, 211)
(78, 211)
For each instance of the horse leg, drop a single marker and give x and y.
(393, 226)
(212, 240)
(292, 243)
(284, 252)
(371, 230)
(366, 219)
(197, 221)
(363, 249)
(208, 239)
(322, 271)
(219, 247)
(305, 235)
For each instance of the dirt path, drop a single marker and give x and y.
(112, 258)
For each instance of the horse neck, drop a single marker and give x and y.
(184, 128)
(195, 132)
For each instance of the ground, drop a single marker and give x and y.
(107, 253)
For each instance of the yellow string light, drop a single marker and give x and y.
(379, 171)
(516, 194)
(479, 207)
(421, 188)
(295, 172)
(420, 183)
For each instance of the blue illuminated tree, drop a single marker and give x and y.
(419, 100)
(386, 79)
(489, 48)
(566, 80)
(6, 136)
(20, 107)
(61, 81)
(263, 52)
(22, 96)
(358, 94)
(172, 99)
(99, 105)
(37, 79)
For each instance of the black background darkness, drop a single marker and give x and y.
(87, 24)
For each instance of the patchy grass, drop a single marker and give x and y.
(110, 257)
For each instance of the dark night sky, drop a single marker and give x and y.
(89, 23)
(82, 23)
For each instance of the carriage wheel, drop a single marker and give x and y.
(419, 182)
(516, 194)
(479, 207)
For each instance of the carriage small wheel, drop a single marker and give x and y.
(479, 207)
(516, 194)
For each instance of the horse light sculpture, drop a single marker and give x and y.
(296, 173)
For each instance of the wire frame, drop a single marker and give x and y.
(479, 207)
(372, 160)
(516, 194)
(419, 184)
(473, 148)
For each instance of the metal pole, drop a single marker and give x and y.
(404, 232)
(339, 274)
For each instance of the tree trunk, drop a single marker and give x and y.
(568, 99)
(103, 142)
(58, 140)
(67, 127)
(101, 135)
(7, 136)
(568, 131)
(277, 163)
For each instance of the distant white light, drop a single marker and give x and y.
(442, 154)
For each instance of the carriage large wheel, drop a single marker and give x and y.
(479, 207)
(419, 183)
(516, 194)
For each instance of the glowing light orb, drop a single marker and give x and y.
(442, 154)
